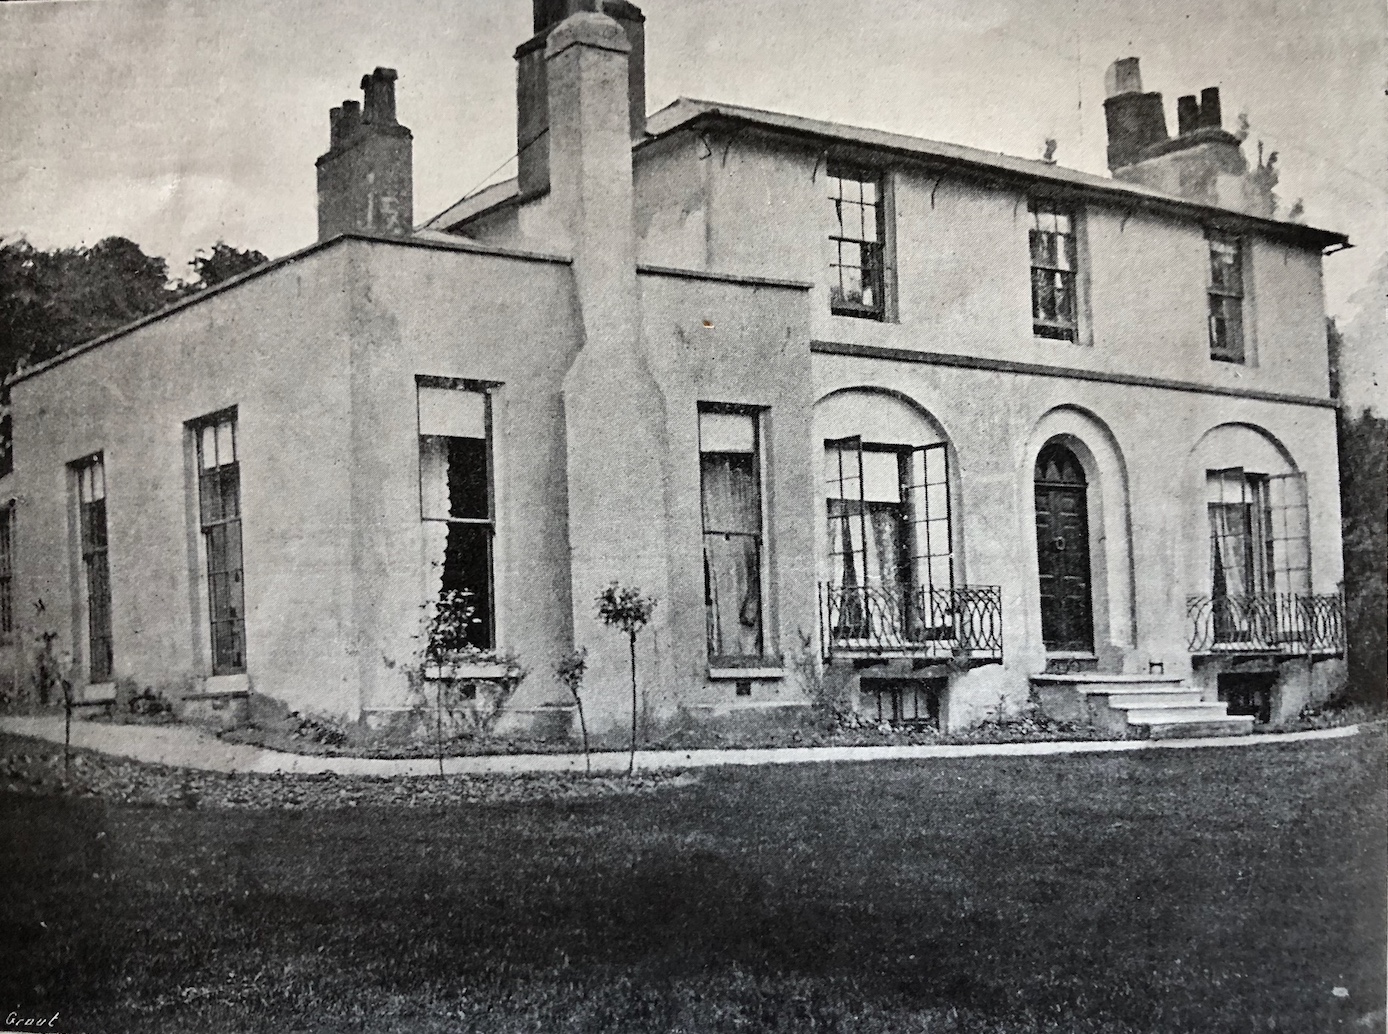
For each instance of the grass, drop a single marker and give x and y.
(1212, 890)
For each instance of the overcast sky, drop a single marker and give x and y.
(179, 122)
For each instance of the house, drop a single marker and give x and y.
(913, 424)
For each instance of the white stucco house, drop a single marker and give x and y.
(940, 425)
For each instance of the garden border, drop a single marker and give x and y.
(187, 747)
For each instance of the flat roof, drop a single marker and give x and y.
(430, 240)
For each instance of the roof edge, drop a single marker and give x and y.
(462, 245)
(687, 114)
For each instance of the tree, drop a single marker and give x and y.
(222, 262)
(51, 301)
(628, 610)
(570, 671)
(1364, 530)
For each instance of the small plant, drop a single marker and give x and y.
(451, 621)
(627, 609)
(570, 671)
(52, 673)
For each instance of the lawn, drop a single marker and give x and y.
(1222, 889)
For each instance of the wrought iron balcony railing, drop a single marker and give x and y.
(1271, 622)
(963, 623)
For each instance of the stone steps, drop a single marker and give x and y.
(1137, 706)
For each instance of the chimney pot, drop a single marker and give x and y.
(1210, 115)
(379, 89)
(1187, 115)
(1123, 76)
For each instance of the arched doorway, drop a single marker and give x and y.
(1062, 551)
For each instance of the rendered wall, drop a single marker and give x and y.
(998, 422)
(274, 347)
(962, 273)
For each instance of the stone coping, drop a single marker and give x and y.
(187, 747)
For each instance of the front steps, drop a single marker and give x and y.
(1156, 707)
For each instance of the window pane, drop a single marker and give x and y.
(467, 569)
(452, 413)
(207, 447)
(732, 594)
(226, 443)
(727, 432)
(731, 499)
(881, 477)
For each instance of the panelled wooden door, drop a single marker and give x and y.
(1062, 551)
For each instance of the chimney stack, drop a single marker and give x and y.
(1135, 119)
(1202, 163)
(532, 103)
(365, 180)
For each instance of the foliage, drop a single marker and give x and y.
(222, 262)
(450, 621)
(626, 608)
(317, 728)
(570, 671)
(53, 300)
(1364, 527)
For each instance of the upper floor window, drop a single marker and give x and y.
(1054, 262)
(96, 569)
(857, 270)
(455, 488)
(730, 489)
(1226, 298)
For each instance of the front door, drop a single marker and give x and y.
(1062, 551)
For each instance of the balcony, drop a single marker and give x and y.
(1284, 623)
(963, 624)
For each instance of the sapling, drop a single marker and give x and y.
(570, 671)
(627, 609)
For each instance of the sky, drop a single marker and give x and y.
(177, 123)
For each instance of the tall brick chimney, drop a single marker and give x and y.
(532, 103)
(365, 180)
(1135, 119)
(1202, 163)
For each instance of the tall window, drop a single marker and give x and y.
(891, 567)
(7, 572)
(1226, 298)
(455, 490)
(857, 278)
(219, 504)
(1053, 266)
(96, 569)
(730, 476)
(1259, 551)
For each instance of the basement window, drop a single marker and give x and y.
(857, 268)
(1225, 294)
(456, 505)
(1054, 262)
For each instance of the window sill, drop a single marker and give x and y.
(739, 674)
(99, 693)
(466, 670)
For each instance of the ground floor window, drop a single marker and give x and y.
(891, 562)
(219, 509)
(96, 569)
(731, 495)
(456, 505)
(1259, 553)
